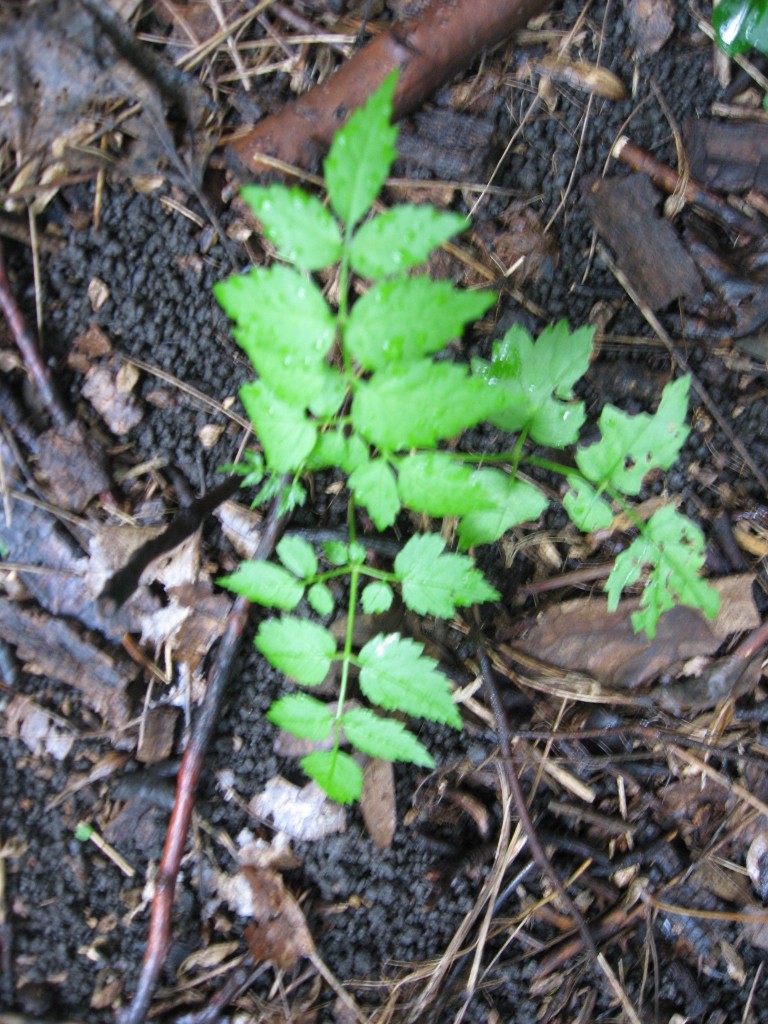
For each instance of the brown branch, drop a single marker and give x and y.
(159, 938)
(30, 353)
(428, 52)
(538, 853)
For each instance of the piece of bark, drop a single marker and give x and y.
(52, 647)
(157, 734)
(646, 248)
(731, 156)
(428, 52)
(450, 145)
(32, 535)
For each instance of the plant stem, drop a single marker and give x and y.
(354, 577)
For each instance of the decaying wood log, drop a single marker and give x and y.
(428, 51)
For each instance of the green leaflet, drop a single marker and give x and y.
(301, 649)
(674, 548)
(338, 774)
(741, 24)
(396, 675)
(631, 446)
(265, 584)
(376, 598)
(287, 434)
(297, 224)
(384, 738)
(281, 308)
(361, 154)
(437, 484)
(435, 583)
(302, 716)
(374, 487)
(402, 237)
(407, 318)
(512, 502)
(320, 599)
(336, 551)
(298, 556)
(585, 508)
(416, 405)
(535, 380)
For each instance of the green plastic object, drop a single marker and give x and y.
(741, 25)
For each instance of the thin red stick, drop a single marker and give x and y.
(159, 938)
(30, 352)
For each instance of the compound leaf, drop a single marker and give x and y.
(435, 583)
(373, 485)
(336, 773)
(320, 599)
(297, 555)
(384, 738)
(513, 502)
(437, 484)
(534, 382)
(585, 508)
(396, 675)
(302, 716)
(418, 404)
(287, 434)
(297, 224)
(264, 584)
(300, 648)
(376, 598)
(361, 154)
(631, 446)
(674, 548)
(408, 318)
(402, 237)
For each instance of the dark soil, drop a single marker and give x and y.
(77, 924)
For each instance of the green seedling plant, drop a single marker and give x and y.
(363, 386)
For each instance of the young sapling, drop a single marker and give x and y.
(364, 388)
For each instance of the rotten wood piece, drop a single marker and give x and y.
(428, 52)
(646, 246)
(730, 156)
(52, 647)
(693, 194)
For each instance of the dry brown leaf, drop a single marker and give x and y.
(28, 722)
(280, 934)
(651, 23)
(73, 465)
(580, 75)
(583, 637)
(108, 388)
(377, 802)
(241, 526)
